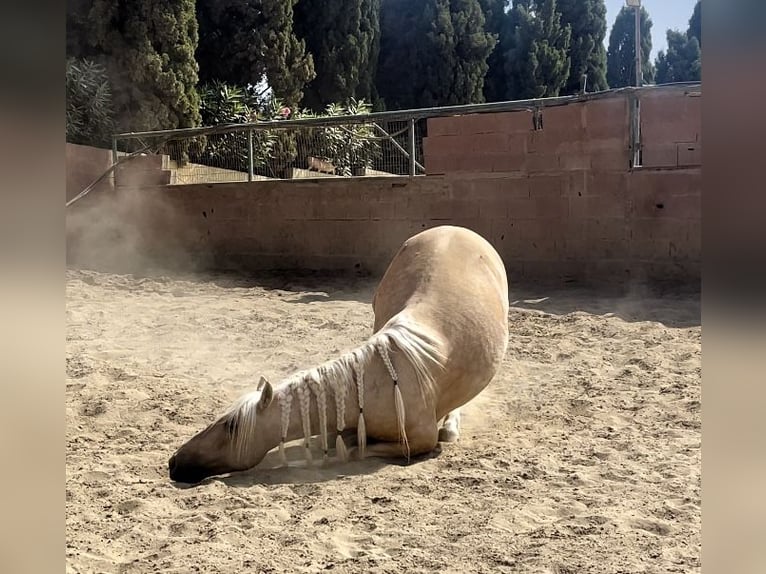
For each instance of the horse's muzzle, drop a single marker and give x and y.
(181, 473)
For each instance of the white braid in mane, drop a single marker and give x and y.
(317, 387)
(336, 377)
(285, 403)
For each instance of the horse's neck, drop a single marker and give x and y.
(312, 401)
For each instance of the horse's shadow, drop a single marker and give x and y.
(271, 472)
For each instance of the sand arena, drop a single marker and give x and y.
(583, 455)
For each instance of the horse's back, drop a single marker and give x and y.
(444, 265)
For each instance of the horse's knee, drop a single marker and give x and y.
(423, 445)
(422, 439)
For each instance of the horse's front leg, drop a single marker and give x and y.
(450, 429)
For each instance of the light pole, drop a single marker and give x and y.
(636, 4)
(636, 102)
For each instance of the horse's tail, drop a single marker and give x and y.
(422, 351)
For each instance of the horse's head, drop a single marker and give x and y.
(228, 444)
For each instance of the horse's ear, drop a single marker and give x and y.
(267, 393)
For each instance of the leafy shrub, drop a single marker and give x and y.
(221, 103)
(350, 147)
(276, 151)
(89, 111)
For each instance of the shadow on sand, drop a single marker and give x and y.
(676, 307)
(679, 309)
(269, 470)
(295, 286)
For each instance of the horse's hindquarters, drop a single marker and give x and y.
(452, 282)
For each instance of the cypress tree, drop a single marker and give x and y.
(496, 24)
(433, 53)
(681, 62)
(439, 73)
(147, 49)
(401, 31)
(519, 68)
(78, 42)
(537, 64)
(587, 19)
(343, 37)
(695, 23)
(473, 46)
(243, 42)
(620, 59)
(370, 30)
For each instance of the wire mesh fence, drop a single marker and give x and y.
(246, 153)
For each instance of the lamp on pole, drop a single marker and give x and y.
(636, 5)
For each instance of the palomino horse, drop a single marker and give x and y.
(440, 334)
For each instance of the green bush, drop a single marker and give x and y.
(276, 151)
(353, 147)
(89, 111)
(220, 104)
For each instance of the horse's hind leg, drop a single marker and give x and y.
(450, 429)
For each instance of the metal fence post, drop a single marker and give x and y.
(114, 160)
(634, 103)
(412, 147)
(639, 72)
(250, 155)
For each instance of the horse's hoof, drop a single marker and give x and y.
(448, 435)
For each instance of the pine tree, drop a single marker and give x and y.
(620, 60)
(432, 53)
(537, 64)
(587, 19)
(681, 62)
(147, 49)
(244, 42)
(343, 37)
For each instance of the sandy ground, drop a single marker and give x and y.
(583, 455)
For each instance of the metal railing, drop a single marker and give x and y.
(374, 144)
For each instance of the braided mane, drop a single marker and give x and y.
(336, 377)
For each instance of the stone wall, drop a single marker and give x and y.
(84, 164)
(584, 227)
